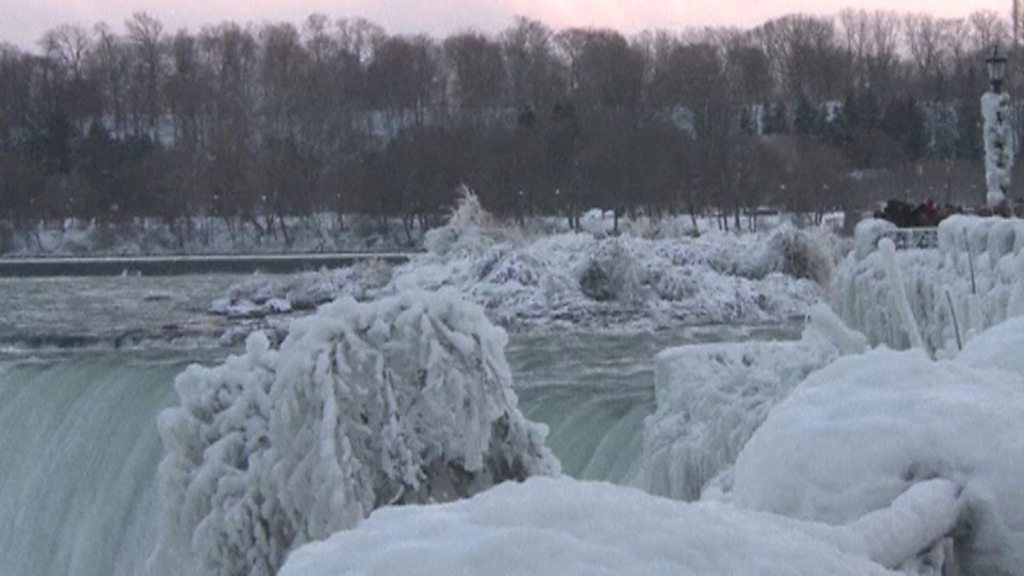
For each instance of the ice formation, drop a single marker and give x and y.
(404, 400)
(712, 397)
(999, 139)
(855, 435)
(593, 280)
(526, 277)
(561, 527)
(263, 295)
(973, 281)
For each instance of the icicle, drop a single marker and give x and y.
(899, 292)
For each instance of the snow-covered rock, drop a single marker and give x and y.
(858, 433)
(973, 281)
(562, 527)
(404, 400)
(712, 397)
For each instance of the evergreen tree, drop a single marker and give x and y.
(804, 117)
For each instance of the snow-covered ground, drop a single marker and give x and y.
(973, 281)
(561, 527)
(647, 277)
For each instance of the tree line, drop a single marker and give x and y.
(259, 123)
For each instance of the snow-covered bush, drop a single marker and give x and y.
(858, 433)
(404, 400)
(464, 229)
(712, 397)
(611, 273)
(799, 254)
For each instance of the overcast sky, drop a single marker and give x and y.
(22, 22)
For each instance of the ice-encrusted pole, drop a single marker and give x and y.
(995, 109)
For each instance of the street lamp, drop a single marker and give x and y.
(996, 69)
(995, 109)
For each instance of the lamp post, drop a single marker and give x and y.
(995, 109)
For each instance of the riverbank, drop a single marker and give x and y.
(190, 264)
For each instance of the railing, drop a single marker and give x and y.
(913, 238)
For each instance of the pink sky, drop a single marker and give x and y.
(23, 21)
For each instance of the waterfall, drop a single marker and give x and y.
(79, 451)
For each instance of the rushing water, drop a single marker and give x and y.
(79, 448)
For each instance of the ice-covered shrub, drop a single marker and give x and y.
(800, 254)
(407, 399)
(611, 273)
(464, 229)
(675, 284)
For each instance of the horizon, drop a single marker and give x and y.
(28, 20)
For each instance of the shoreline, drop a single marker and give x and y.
(177, 265)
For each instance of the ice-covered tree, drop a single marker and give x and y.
(404, 400)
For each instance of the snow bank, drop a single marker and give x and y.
(563, 527)
(999, 347)
(404, 400)
(712, 397)
(860, 432)
(973, 281)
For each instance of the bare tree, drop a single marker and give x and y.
(477, 69)
(145, 34)
(185, 89)
(535, 77)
